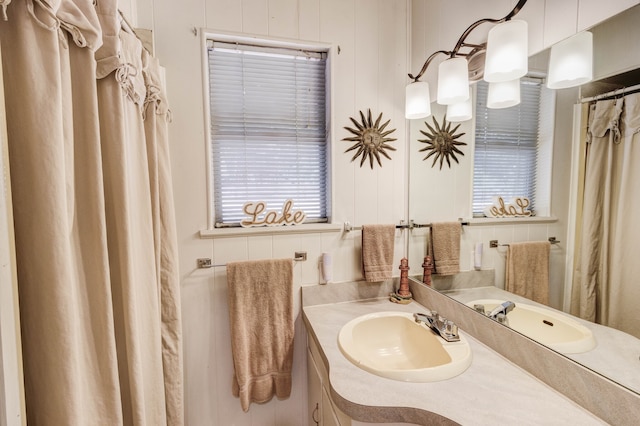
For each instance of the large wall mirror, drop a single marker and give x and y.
(445, 194)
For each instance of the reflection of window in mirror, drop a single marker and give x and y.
(513, 148)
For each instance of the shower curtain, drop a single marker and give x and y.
(606, 285)
(95, 233)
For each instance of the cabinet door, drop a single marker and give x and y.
(314, 392)
(329, 417)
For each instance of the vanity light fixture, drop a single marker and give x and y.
(505, 48)
(507, 52)
(453, 81)
(501, 61)
(417, 100)
(571, 62)
(503, 94)
(461, 111)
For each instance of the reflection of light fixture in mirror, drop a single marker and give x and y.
(504, 94)
(570, 62)
(461, 111)
(453, 81)
(457, 60)
(507, 51)
(417, 100)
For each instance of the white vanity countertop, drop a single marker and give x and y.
(615, 356)
(491, 391)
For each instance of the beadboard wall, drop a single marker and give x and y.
(368, 72)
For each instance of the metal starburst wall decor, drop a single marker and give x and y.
(441, 142)
(371, 139)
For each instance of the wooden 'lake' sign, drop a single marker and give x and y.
(260, 216)
(517, 207)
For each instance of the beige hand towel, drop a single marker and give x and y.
(260, 300)
(527, 270)
(377, 251)
(445, 241)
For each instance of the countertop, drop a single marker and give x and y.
(491, 391)
(615, 356)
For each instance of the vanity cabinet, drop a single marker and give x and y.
(322, 411)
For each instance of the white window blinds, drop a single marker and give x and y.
(268, 130)
(506, 147)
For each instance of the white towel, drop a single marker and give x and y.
(261, 319)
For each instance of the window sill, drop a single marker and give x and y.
(479, 221)
(270, 230)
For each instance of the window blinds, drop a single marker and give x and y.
(506, 151)
(268, 130)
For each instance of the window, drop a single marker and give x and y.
(268, 129)
(513, 148)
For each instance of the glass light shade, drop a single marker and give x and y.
(504, 94)
(507, 52)
(417, 100)
(460, 112)
(453, 81)
(571, 62)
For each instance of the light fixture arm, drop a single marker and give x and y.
(455, 52)
(427, 62)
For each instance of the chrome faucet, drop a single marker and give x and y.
(499, 313)
(503, 308)
(445, 328)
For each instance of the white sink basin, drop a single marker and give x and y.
(393, 345)
(547, 326)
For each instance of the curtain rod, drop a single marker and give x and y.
(612, 94)
(126, 26)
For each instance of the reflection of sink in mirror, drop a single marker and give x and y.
(547, 326)
(393, 345)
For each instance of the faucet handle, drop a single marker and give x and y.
(450, 328)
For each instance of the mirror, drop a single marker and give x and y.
(445, 195)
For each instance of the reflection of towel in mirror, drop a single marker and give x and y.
(260, 301)
(445, 242)
(377, 251)
(527, 270)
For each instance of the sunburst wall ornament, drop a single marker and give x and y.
(371, 139)
(441, 142)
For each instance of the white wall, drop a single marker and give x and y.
(369, 72)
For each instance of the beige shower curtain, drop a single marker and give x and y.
(606, 285)
(95, 233)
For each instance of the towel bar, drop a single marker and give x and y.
(348, 227)
(494, 243)
(205, 263)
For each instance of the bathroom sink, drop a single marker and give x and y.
(547, 326)
(393, 345)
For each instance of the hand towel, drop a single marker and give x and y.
(445, 242)
(377, 251)
(260, 300)
(527, 270)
